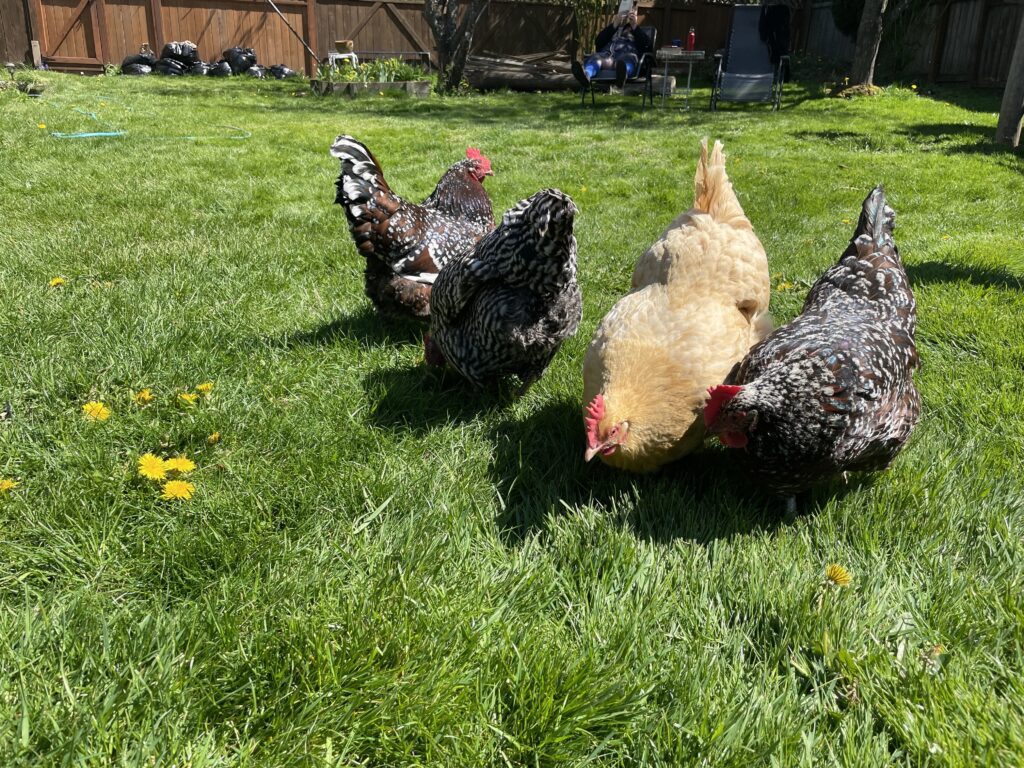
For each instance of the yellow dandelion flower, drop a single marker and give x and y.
(846, 221)
(143, 396)
(57, 282)
(214, 438)
(6, 484)
(945, 237)
(187, 398)
(94, 410)
(180, 464)
(41, 126)
(838, 575)
(205, 388)
(913, 86)
(152, 467)
(783, 286)
(177, 489)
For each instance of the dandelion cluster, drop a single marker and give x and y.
(153, 467)
(6, 484)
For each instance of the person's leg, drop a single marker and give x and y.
(626, 66)
(595, 62)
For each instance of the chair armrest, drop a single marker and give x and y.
(783, 60)
(646, 62)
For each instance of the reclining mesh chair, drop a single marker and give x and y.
(746, 72)
(643, 73)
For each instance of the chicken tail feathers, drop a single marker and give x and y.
(361, 179)
(875, 225)
(712, 190)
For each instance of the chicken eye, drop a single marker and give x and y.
(614, 432)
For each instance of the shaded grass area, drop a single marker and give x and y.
(383, 567)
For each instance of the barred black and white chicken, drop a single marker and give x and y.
(833, 390)
(505, 307)
(406, 244)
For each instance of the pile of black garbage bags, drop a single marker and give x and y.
(178, 59)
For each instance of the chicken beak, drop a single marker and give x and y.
(591, 453)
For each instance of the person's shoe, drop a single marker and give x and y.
(620, 73)
(580, 74)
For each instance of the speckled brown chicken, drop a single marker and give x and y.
(406, 244)
(833, 390)
(505, 307)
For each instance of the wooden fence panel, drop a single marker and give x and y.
(374, 25)
(959, 51)
(514, 28)
(128, 25)
(14, 36)
(221, 24)
(824, 38)
(999, 36)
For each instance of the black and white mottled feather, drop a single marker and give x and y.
(505, 307)
(833, 390)
(406, 244)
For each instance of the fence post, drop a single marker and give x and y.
(309, 30)
(156, 26)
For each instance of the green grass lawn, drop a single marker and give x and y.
(382, 567)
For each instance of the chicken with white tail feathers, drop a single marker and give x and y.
(699, 301)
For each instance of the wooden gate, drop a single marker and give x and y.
(72, 34)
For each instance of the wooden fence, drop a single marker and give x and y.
(962, 40)
(14, 37)
(968, 41)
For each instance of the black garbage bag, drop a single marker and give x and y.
(168, 67)
(240, 59)
(280, 72)
(199, 68)
(187, 52)
(136, 69)
(146, 59)
(256, 71)
(220, 69)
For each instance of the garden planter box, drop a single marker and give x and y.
(418, 88)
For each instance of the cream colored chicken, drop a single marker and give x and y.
(699, 301)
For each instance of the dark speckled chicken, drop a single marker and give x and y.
(505, 307)
(406, 244)
(833, 390)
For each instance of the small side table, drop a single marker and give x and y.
(334, 59)
(678, 56)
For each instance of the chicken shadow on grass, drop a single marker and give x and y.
(539, 472)
(943, 272)
(365, 326)
(419, 398)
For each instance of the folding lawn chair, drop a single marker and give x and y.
(746, 72)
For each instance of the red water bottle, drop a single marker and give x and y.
(691, 39)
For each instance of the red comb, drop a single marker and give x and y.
(595, 412)
(717, 397)
(473, 153)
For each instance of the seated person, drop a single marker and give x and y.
(620, 45)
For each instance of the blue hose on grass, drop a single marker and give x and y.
(117, 133)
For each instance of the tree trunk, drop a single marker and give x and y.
(869, 39)
(453, 39)
(1012, 109)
